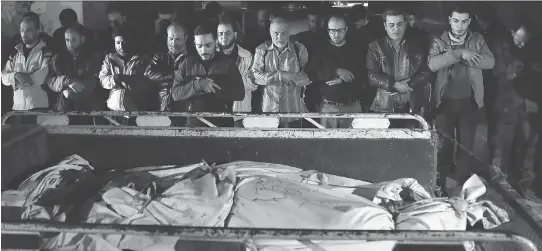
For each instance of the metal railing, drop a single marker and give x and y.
(213, 234)
(202, 116)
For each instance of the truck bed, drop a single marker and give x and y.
(373, 155)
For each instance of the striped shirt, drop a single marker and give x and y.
(280, 96)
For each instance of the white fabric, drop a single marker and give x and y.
(46, 185)
(255, 195)
(428, 213)
(289, 198)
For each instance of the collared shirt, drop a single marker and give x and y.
(280, 96)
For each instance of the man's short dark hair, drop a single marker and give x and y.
(33, 19)
(227, 19)
(204, 29)
(213, 9)
(178, 25)
(527, 25)
(77, 30)
(393, 12)
(113, 8)
(67, 15)
(337, 16)
(277, 17)
(357, 12)
(461, 8)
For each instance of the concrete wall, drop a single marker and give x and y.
(48, 11)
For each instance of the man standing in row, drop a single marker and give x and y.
(515, 140)
(459, 56)
(162, 67)
(27, 69)
(123, 74)
(313, 40)
(210, 82)
(279, 66)
(396, 66)
(243, 59)
(74, 77)
(338, 73)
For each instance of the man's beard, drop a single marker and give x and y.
(75, 50)
(227, 46)
(338, 43)
(207, 55)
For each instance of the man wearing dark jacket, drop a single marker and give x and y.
(313, 40)
(458, 56)
(515, 111)
(396, 66)
(74, 75)
(339, 74)
(210, 82)
(163, 65)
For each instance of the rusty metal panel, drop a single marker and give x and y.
(372, 160)
(24, 148)
(210, 234)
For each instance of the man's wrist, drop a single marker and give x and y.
(458, 53)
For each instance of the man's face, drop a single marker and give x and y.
(29, 32)
(73, 41)
(280, 34)
(314, 23)
(176, 40)
(459, 23)
(520, 37)
(205, 45)
(483, 23)
(360, 23)
(411, 20)
(165, 16)
(263, 18)
(395, 27)
(115, 19)
(337, 30)
(226, 35)
(121, 46)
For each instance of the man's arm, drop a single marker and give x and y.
(423, 75)
(261, 77)
(487, 62)
(234, 88)
(377, 78)
(156, 72)
(57, 82)
(438, 58)
(301, 79)
(246, 74)
(183, 87)
(106, 75)
(8, 76)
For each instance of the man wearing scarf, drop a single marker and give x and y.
(458, 56)
(243, 59)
